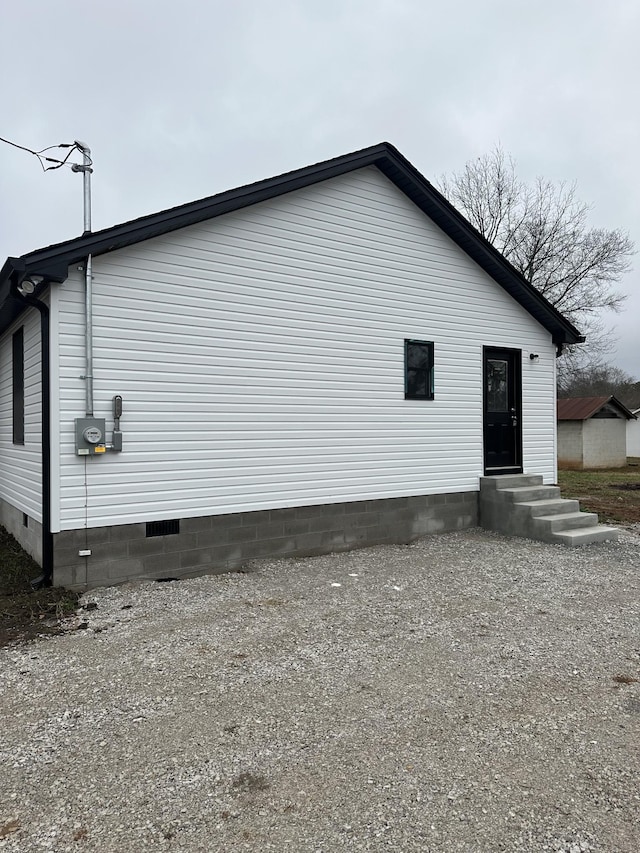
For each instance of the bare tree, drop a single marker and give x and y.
(542, 230)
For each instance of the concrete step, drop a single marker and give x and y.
(587, 535)
(553, 506)
(520, 505)
(568, 521)
(520, 494)
(511, 480)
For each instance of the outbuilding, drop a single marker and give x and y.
(592, 432)
(633, 435)
(329, 358)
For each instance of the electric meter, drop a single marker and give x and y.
(90, 436)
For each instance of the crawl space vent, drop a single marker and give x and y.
(163, 528)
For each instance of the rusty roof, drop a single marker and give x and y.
(583, 408)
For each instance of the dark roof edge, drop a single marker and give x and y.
(614, 401)
(52, 260)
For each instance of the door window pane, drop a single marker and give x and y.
(497, 385)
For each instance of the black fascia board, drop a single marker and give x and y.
(52, 260)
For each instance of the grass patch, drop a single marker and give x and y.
(614, 493)
(25, 614)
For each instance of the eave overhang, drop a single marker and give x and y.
(13, 273)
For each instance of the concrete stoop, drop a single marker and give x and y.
(520, 505)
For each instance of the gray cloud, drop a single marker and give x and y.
(181, 100)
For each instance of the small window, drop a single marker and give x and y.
(18, 387)
(418, 370)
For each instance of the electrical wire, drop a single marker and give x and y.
(59, 162)
(28, 150)
(72, 146)
(15, 145)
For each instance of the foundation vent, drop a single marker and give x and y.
(163, 528)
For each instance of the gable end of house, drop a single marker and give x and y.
(53, 261)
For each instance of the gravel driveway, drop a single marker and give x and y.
(464, 693)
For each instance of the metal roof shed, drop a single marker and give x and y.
(592, 432)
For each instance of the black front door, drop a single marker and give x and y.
(502, 411)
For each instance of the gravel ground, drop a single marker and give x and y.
(466, 692)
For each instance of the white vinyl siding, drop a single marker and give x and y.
(20, 465)
(260, 357)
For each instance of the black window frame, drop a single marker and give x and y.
(429, 384)
(17, 373)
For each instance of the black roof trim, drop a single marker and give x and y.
(50, 261)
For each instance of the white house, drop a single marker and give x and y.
(327, 358)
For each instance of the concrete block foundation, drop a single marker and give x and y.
(220, 543)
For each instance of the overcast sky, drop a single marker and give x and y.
(180, 100)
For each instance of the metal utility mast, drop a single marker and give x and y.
(85, 168)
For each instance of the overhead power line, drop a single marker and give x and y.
(72, 146)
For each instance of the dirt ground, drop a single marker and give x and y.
(25, 614)
(613, 493)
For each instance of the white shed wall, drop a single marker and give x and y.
(260, 359)
(633, 436)
(570, 452)
(605, 443)
(20, 465)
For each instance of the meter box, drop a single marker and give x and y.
(90, 436)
